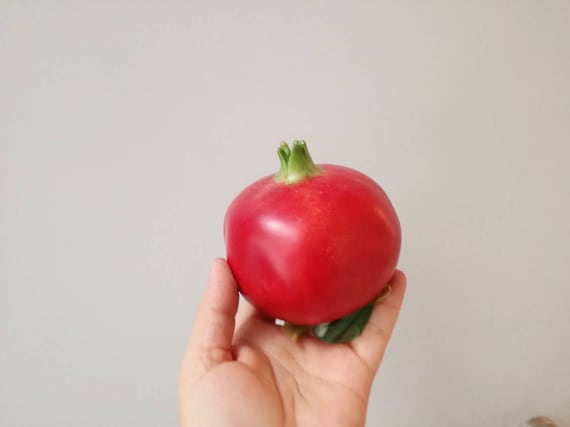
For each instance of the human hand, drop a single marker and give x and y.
(249, 373)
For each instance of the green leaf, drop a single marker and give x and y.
(344, 329)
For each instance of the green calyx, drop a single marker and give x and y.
(296, 163)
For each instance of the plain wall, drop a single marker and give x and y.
(126, 128)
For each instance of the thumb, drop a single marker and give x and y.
(213, 330)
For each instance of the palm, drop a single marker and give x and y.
(306, 382)
(258, 376)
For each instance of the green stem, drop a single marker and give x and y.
(296, 163)
(294, 331)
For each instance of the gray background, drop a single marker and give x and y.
(126, 127)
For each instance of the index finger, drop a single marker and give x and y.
(371, 344)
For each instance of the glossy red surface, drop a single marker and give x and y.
(314, 251)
